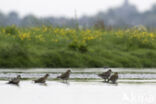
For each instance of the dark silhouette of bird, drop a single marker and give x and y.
(114, 78)
(65, 76)
(15, 81)
(105, 75)
(42, 79)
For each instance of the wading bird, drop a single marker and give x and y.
(65, 76)
(114, 78)
(15, 81)
(105, 75)
(42, 79)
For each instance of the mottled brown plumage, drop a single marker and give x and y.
(105, 75)
(113, 78)
(15, 81)
(42, 79)
(65, 76)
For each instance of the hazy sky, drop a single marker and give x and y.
(66, 7)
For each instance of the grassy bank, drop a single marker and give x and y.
(63, 47)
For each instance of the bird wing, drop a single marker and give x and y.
(14, 80)
(105, 73)
(40, 79)
(112, 77)
(62, 75)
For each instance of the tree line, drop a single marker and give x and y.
(125, 15)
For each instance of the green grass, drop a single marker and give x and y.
(65, 48)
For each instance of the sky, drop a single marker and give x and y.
(57, 8)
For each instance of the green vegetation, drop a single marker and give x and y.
(64, 47)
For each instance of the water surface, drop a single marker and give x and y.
(135, 86)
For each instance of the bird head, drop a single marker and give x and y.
(19, 76)
(110, 70)
(69, 70)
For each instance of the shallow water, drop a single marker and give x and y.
(79, 73)
(135, 86)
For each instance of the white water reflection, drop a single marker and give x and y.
(77, 93)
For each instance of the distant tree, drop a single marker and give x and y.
(153, 8)
(13, 18)
(2, 19)
(30, 20)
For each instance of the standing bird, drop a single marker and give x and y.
(15, 81)
(42, 79)
(114, 78)
(65, 76)
(105, 75)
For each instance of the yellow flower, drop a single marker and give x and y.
(24, 36)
